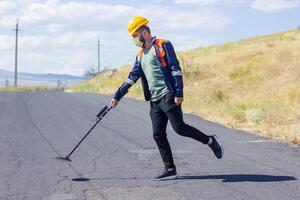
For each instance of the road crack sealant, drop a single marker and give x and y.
(103, 126)
(17, 163)
(52, 146)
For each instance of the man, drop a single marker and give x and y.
(157, 66)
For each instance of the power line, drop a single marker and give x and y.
(99, 55)
(16, 53)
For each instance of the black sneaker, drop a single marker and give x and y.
(216, 147)
(167, 174)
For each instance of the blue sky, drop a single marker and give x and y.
(60, 36)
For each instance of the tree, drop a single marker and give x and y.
(90, 73)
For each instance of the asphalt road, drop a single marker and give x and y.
(119, 158)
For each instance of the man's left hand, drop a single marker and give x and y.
(178, 100)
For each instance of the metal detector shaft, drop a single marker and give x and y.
(100, 115)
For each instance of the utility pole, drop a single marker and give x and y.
(16, 53)
(98, 55)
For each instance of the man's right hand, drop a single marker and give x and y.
(113, 103)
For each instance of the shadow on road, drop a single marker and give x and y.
(241, 178)
(224, 178)
(83, 179)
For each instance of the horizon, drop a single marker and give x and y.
(57, 38)
(49, 73)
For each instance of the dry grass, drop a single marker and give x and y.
(253, 84)
(27, 88)
(107, 83)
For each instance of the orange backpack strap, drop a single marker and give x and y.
(139, 55)
(162, 53)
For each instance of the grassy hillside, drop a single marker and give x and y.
(253, 84)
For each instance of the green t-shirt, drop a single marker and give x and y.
(154, 75)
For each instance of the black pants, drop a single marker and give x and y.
(163, 110)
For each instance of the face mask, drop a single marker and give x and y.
(137, 42)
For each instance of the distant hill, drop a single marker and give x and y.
(39, 79)
(253, 84)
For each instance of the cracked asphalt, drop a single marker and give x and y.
(119, 158)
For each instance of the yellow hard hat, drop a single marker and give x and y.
(135, 23)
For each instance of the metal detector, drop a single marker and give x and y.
(100, 115)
